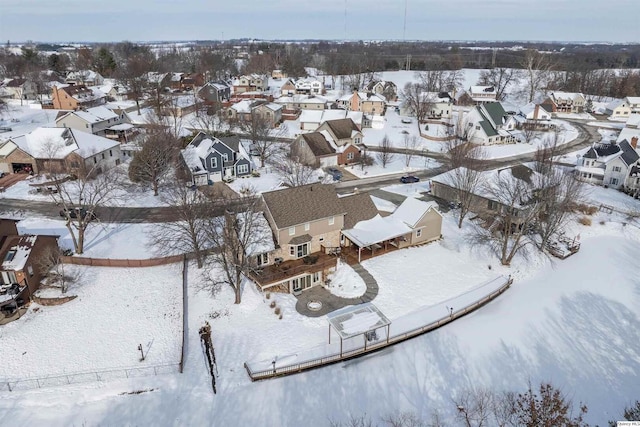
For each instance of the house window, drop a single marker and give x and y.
(95, 160)
(242, 169)
(316, 277)
(214, 162)
(617, 168)
(332, 220)
(102, 156)
(321, 238)
(356, 140)
(614, 181)
(301, 250)
(307, 227)
(350, 156)
(225, 156)
(419, 232)
(493, 205)
(110, 153)
(477, 127)
(292, 231)
(30, 270)
(263, 259)
(87, 126)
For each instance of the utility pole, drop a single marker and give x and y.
(407, 65)
(404, 28)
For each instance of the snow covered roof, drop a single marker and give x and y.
(58, 143)
(628, 134)
(615, 104)
(488, 90)
(412, 210)
(243, 106)
(529, 109)
(18, 253)
(633, 99)
(321, 116)
(356, 320)
(634, 120)
(262, 241)
(122, 126)
(572, 96)
(377, 229)
(95, 114)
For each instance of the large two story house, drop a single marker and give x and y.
(311, 224)
(566, 102)
(490, 124)
(335, 142)
(61, 150)
(209, 159)
(96, 120)
(365, 102)
(609, 164)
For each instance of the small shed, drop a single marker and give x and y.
(363, 319)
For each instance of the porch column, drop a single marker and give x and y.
(359, 250)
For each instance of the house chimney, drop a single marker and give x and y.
(634, 142)
(535, 112)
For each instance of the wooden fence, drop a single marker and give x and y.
(370, 348)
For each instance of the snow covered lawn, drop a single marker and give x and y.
(115, 311)
(102, 240)
(396, 165)
(346, 283)
(414, 189)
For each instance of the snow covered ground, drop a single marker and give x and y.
(410, 190)
(346, 283)
(397, 164)
(116, 310)
(102, 240)
(572, 322)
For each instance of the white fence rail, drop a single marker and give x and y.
(406, 327)
(84, 377)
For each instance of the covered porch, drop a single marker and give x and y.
(376, 236)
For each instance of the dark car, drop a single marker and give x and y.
(74, 213)
(408, 179)
(335, 173)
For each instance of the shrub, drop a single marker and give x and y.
(586, 209)
(280, 317)
(603, 222)
(585, 221)
(268, 295)
(273, 304)
(277, 310)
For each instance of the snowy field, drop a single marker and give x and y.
(583, 318)
(115, 311)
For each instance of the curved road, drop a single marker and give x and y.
(587, 135)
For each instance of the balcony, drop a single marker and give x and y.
(273, 274)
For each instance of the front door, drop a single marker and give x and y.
(228, 173)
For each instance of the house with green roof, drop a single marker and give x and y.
(490, 124)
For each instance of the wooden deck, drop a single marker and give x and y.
(274, 274)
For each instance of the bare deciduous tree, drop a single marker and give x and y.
(501, 79)
(536, 68)
(293, 173)
(410, 145)
(186, 234)
(237, 236)
(154, 160)
(264, 138)
(474, 407)
(516, 212)
(50, 265)
(466, 177)
(79, 196)
(547, 407)
(385, 153)
(416, 101)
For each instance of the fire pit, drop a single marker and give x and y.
(314, 305)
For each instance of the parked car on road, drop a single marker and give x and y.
(408, 179)
(406, 121)
(335, 173)
(74, 213)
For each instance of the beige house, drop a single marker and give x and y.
(414, 222)
(342, 132)
(19, 89)
(303, 102)
(96, 120)
(75, 96)
(319, 149)
(251, 83)
(62, 150)
(366, 102)
(306, 222)
(618, 109)
(567, 102)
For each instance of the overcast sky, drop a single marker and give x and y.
(149, 20)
